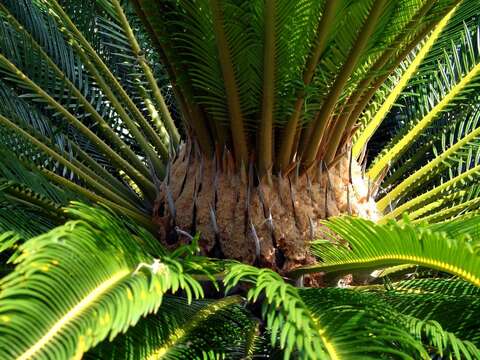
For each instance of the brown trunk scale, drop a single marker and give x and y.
(238, 217)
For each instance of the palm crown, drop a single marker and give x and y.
(95, 99)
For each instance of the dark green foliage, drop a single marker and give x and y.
(183, 331)
(88, 90)
(344, 323)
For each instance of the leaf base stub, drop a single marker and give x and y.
(256, 222)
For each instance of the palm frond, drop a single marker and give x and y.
(421, 60)
(445, 343)
(435, 339)
(110, 85)
(386, 103)
(461, 151)
(454, 81)
(53, 84)
(371, 246)
(336, 323)
(312, 70)
(113, 280)
(182, 330)
(455, 311)
(277, 85)
(450, 287)
(287, 318)
(165, 126)
(60, 86)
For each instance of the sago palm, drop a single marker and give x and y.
(204, 132)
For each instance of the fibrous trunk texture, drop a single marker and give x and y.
(266, 223)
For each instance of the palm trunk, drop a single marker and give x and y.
(262, 223)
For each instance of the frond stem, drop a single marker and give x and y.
(376, 262)
(323, 32)
(108, 177)
(97, 68)
(373, 87)
(143, 220)
(56, 156)
(413, 134)
(191, 114)
(324, 114)
(265, 135)
(49, 208)
(112, 136)
(231, 88)
(157, 94)
(447, 213)
(469, 175)
(424, 171)
(381, 113)
(343, 123)
(112, 155)
(131, 125)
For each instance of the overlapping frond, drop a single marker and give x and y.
(84, 116)
(453, 157)
(29, 203)
(81, 102)
(422, 59)
(451, 85)
(452, 303)
(343, 323)
(372, 246)
(433, 131)
(315, 77)
(114, 280)
(427, 333)
(181, 330)
(451, 287)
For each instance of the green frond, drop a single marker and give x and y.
(26, 212)
(91, 94)
(110, 85)
(109, 286)
(455, 81)
(449, 302)
(400, 84)
(434, 128)
(9, 241)
(16, 173)
(459, 151)
(287, 318)
(334, 323)
(281, 74)
(182, 330)
(162, 140)
(29, 203)
(435, 339)
(446, 344)
(373, 246)
(451, 287)
(62, 77)
(433, 141)
(446, 189)
(23, 219)
(66, 68)
(422, 58)
(289, 31)
(35, 140)
(370, 19)
(58, 83)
